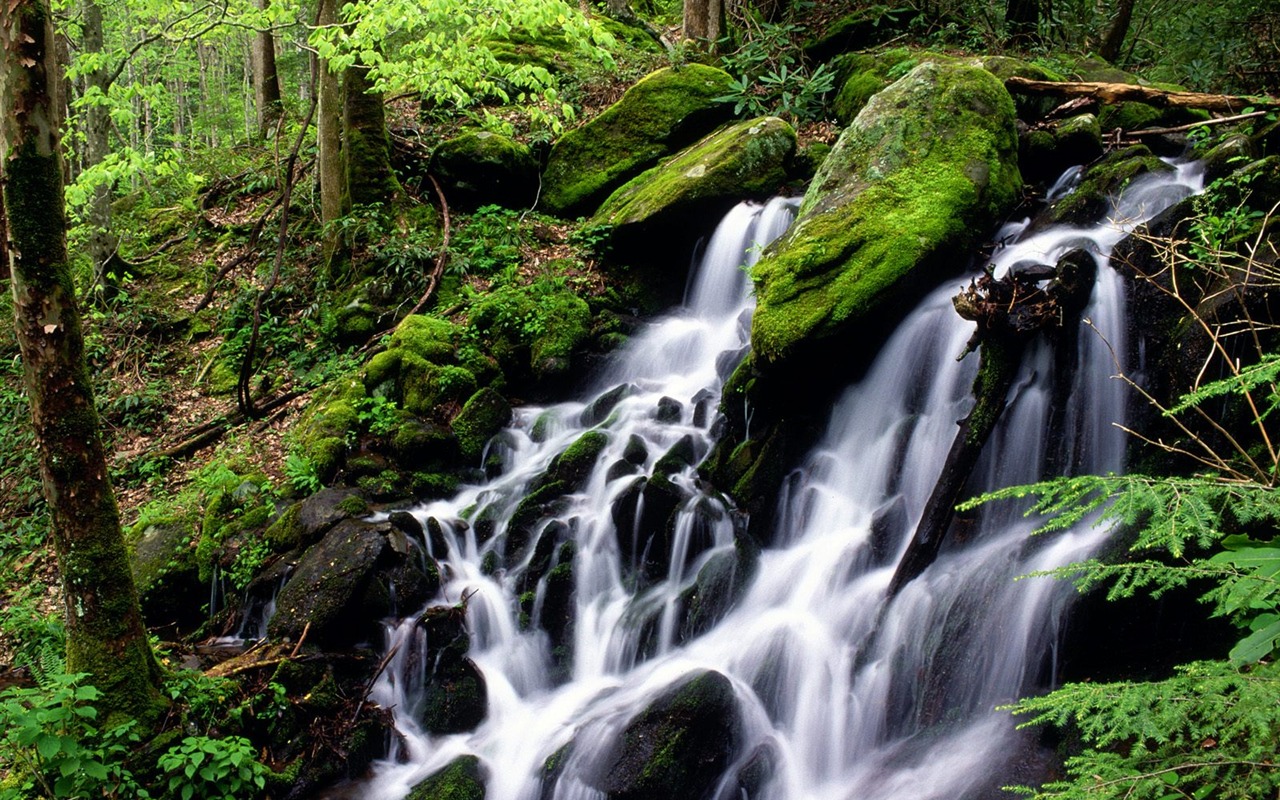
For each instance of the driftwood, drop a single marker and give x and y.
(1113, 93)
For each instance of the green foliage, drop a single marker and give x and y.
(490, 242)
(302, 474)
(1207, 732)
(378, 415)
(451, 52)
(53, 749)
(771, 76)
(213, 769)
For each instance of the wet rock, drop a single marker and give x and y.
(1091, 199)
(330, 581)
(668, 410)
(461, 779)
(455, 697)
(166, 574)
(485, 414)
(600, 408)
(678, 746)
(636, 451)
(718, 587)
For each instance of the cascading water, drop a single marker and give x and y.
(848, 694)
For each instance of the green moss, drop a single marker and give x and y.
(854, 94)
(664, 111)
(427, 337)
(461, 779)
(534, 329)
(426, 386)
(924, 171)
(1091, 199)
(286, 532)
(485, 414)
(382, 369)
(746, 159)
(574, 465)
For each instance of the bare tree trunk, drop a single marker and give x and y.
(1119, 28)
(704, 19)
(266, 81)
(97, 130)
(333, 184)
(105, 635)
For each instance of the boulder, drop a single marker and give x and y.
(482, 168)
(339, 588)
(921, 174)
(665, 111)
(166, 573)
(681, 198)
(679, 745)
(484, 414)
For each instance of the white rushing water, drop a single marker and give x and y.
(850, 695)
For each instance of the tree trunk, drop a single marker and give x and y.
(333, 184)
(1119, 28)
(97, 130)
(703, 19)
(105, 635)
(366, 149)
(266, 81)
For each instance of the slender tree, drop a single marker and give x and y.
(105, 635)
(1113, 40)
(704, 19)
(266, 81)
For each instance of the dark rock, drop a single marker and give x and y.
(484, 168)
(678, 746)
(483, 416)
(455, 697)
(636, 451)
(600, 408)
(668, 410)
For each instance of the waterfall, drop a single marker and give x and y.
(850, 695)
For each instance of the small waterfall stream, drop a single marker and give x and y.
(847, 697)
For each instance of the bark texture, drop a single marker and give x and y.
(105, 635)
(333, 184)
(1113, 93)
(266, 81)
(703, 19)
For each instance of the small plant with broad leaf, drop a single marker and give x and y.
(201, 768)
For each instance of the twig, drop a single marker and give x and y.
(1201, 123)
(368, 687)
(305, 630)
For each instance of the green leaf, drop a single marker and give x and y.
(1259, 644)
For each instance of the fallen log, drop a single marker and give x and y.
(1114, 93)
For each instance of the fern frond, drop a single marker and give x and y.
(1264, 373)
(1211, 725)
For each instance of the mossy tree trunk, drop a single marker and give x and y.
(366, 149)
(105, 635)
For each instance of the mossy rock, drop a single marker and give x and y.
(1092, 198)
(747, 159)
(430, 338)
(166, 574)
(1094, 69)
(663, 112)
(533, 331)
(482, 168)
(325, 590)
(861, 75)
(923, 172)
(461, 779)
(1029, 107)
(679, 746)
(483, 415)
(1133, 116)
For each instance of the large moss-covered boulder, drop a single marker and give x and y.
(482, 168)
(925, 169)
(1049, 148)
(683, 195)
(166, 573)
(679, 745)
(665, 111)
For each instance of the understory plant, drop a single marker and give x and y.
(1209, 730)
